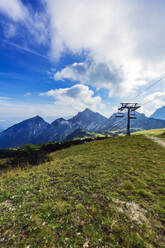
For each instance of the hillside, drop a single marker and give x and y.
(107, 193)
(154, 132)
(58, 130)
(83, 134)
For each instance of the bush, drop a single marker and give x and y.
(29, 153)
(7, 153)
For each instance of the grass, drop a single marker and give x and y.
(122, 132)
(154, 132)
(91, 135)
(107, 193)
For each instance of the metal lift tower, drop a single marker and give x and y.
(131, 108)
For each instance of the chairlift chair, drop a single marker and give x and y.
(119, 115)
(133, 115)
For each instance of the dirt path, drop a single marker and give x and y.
(157, 140)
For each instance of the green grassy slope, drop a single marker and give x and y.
(155, 132)
(107, 193)
(84, 134)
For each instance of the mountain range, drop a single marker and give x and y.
(36, 130)
(142, 122)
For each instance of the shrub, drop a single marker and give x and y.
(28, 154)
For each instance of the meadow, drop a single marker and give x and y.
(107, 194)
(154, 132)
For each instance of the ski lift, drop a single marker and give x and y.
(119, 115)
(133, 117)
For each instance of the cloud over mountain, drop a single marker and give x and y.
(75, 98)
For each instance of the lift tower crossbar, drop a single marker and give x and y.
(131, 108)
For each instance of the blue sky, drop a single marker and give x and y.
(60, 57)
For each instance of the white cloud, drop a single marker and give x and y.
(152, 102)
(27, 94)
(14, 9)
(37, 25)
(157, 99)
(127, 36)
(74, 99)
(18, 13)
(4, 98)
(98, 75)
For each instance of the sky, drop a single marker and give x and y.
(60, 57)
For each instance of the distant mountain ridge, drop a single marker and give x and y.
(159, 113)
(142, 122)
(27, 131)
(36, 130)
